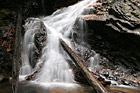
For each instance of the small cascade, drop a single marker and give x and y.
(31, 27)
(79, 35)
(53, 66)
(59, 25)
(94, 62)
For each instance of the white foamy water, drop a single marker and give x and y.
(59, 25)
(28, 44)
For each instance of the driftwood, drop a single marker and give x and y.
(96, 85)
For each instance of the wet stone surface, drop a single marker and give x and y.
(114, 33)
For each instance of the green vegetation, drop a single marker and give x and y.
(4, 17)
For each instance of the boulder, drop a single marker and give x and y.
(114, 32)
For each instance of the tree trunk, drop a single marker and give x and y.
(16, 56)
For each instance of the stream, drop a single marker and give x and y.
(59, 25)
(61, 88)
(54, 74)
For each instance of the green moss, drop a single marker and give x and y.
(4, 13)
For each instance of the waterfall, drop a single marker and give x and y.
(58, 25)
(28, 44)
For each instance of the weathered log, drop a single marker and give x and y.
(96, 85)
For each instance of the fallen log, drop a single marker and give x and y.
(96, 85)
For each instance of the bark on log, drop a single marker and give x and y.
(16, 56)
(96, 85)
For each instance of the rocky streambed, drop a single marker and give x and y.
(113, 32)
(112, 43)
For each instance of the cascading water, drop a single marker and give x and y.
(28, 44)
(59, 25)
(53, 63)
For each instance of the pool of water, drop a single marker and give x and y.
(32, 87)
(47, 88)
(53, 88)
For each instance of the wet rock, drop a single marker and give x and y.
(101, 79)
(115, 33)
(124, 82)
(83, 52)
(4, 81)
(106, 83)
(104, 72)
(79, 76)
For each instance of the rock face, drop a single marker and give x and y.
(114, 31)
